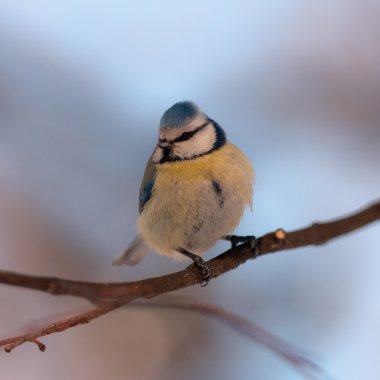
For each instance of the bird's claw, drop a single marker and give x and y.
(235, 240)
(207, 274)
(206, 271)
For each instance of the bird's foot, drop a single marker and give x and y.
(206, 272)
(235, 240)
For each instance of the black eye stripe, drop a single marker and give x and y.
(188, 135)
(185, 136)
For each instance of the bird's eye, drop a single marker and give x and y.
(185, 136)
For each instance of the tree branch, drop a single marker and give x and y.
(110, 296)
(318, 233)
(293, 355)
(79, 319)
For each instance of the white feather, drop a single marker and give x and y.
(134, 253)
(201, 143)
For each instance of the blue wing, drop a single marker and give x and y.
(145, 194)
(147, 184)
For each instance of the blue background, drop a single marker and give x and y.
(296, 85)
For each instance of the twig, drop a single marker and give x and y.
(286, 351)
(110, 296)
(79, 319)
(318, 233)
(293, 355)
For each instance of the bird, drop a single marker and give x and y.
(194, 190)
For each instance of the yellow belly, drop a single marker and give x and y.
(196, 202)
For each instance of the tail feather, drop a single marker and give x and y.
(134, 253)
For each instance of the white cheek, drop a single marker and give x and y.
(158, 154)
(199, 144)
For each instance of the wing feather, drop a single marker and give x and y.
(147, 183)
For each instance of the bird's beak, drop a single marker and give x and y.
(164, 145)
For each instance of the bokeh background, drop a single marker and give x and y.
(296, 84)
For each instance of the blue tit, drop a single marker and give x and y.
(194, 191)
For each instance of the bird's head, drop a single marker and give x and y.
(186, 133)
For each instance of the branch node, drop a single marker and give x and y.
(8, 349)
(279, 235)
(40, 345)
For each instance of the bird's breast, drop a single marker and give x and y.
(195, 202)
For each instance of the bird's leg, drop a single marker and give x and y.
(206, 271)
(236, 240)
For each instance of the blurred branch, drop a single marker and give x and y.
(79, 319)
(113, 295)
(293, 355)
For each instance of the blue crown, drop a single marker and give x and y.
(178, 115)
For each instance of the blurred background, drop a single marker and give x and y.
(296, 85)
